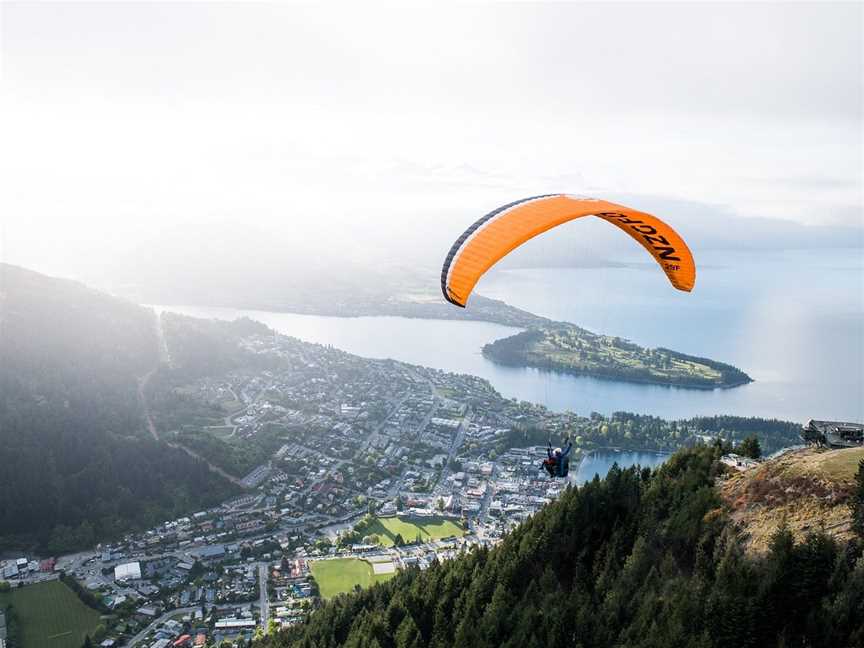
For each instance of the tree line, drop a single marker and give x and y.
(640, 558)
(646, 432)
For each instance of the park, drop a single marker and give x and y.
(50, 615)
(426, 529)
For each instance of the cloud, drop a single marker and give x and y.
(390, 125)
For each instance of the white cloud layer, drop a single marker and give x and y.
(120, 120)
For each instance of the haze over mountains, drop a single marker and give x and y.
(640, 557)
(299, 266)
(78, 463)
(82, 463)
(222, 484)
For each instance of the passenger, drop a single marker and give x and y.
(550, 465)
(562, 460)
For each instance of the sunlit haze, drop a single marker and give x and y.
(386, 129)
(429, 324)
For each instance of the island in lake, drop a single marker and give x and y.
(570, 349)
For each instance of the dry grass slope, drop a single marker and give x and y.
(809, 489)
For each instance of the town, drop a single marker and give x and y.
(352, 469)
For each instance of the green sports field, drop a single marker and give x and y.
(431, 529)
(342, 574)
(51, 615)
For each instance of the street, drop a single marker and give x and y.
(264, 600)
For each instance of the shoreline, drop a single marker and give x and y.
(584, 455)
(360, 313)
(636, 381)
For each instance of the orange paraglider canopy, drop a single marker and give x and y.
(499, 232)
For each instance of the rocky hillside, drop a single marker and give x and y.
(810, 489)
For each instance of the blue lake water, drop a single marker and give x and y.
(599, 463)
(792, 320)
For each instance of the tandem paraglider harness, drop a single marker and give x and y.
(557, 462)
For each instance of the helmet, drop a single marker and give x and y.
(557, 451)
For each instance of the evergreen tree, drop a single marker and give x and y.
(858, 501)
(750, 447)
(635, 559)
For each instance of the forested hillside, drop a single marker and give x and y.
(201, 347)
(77, 463)
(646, 432)
(637, 559)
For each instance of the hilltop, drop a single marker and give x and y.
(809, 489)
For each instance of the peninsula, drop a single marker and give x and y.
(570, 349)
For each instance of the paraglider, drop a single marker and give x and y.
(501, 231)
(557, 462)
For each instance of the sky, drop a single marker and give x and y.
(392, 128)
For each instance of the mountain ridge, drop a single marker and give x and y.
(78, 464)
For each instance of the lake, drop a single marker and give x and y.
(793, 320)
(600, 461)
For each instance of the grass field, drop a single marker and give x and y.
(433, 529)
(51, 615)
(837, 465)
(341, 575)
(800, 489)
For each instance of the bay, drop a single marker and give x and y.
(600, 461)
(793, 320)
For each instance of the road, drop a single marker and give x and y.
(374, 433)
(164, 354)
(229, 420)
(213, 467)
(487, 497)
(162, 619)
(264, 602)
(142, 385)
(454, 448)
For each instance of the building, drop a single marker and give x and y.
(210, 552)
(147, 613)
(128, 571)
(738, 462)
(834, 434)
(234, 624)
(446, 423)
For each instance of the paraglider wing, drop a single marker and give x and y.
(499, 232)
